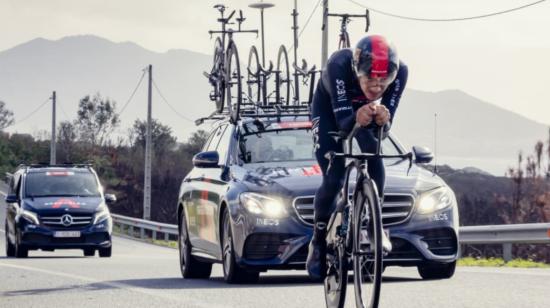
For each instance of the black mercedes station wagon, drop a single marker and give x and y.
(248, 203)
(57, 207)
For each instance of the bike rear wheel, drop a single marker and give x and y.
(283, 81)
(367, 245)
(336, 280)
(233, 82)
(253, 72)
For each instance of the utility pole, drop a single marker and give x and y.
(295, 32)
(435, 142)
(324, 49)
(147, 181)
(262, 5)
(52, 141)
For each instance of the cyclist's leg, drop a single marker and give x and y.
(325, 196)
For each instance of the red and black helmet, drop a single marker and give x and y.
(375, 57)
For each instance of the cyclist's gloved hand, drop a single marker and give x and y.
(382, 115)
(365, 114)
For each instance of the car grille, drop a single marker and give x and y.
(78, 221)
(397, 208)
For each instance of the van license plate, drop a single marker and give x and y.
(66, 234)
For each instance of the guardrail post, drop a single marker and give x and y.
(154, 235)
(141, 233)
(131, 231)
(166, 236)
(507, 252)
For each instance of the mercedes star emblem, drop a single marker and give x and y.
(66, 220)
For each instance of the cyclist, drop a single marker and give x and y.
(346, 93)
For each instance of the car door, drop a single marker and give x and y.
(196, 209)
(214, 188)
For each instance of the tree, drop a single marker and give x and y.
(161, 136)
(96, 119)
(66, 139)
(6, 116)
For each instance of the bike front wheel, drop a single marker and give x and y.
(367, 246)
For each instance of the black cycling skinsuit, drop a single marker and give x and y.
(337, 97)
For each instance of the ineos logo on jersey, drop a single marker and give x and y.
(340, 90)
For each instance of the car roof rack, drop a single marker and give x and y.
(62, 165)
(272, 111)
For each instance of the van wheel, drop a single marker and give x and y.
(20, 250)
(10, 248)
(105, 252)
(89, 252)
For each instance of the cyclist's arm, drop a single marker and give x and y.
(392, 96)
(337, 83)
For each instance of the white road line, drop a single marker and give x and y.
(117, 285)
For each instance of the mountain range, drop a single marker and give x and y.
(469, 131)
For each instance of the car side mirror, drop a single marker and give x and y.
(422, 155)
(110, 199)
(208, 159)
(11, 199)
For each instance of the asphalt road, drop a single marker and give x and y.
(144, 275)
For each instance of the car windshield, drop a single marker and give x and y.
(277, 145)
(288, 145)
(61, 183)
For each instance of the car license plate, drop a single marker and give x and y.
(66, 234)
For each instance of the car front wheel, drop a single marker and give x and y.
(437, 271)
(232, 272)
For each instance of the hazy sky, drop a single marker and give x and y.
(503, 59)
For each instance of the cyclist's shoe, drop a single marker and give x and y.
(316, 258)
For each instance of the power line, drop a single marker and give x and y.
(133, 93)
(28, 115)
(169, 105)
(447, 19)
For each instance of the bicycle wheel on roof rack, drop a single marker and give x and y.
(253, 80)
(217, 75)
(282, 83)
(233, 82)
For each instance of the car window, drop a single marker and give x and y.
(207, 143)
(15, 184)
(223, 145)
(61, 183)
(216, 138)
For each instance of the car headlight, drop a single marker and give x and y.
(29, 216)
(263, 205)
(435, 200)
(102, 213)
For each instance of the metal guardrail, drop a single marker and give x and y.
(536, 233)
(506, 235)
(128, 225)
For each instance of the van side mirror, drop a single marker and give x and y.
(422, 155)
(110, 199)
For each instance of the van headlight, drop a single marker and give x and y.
(435, 200)
(101, 213)
(29, 216)
(263, 205)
